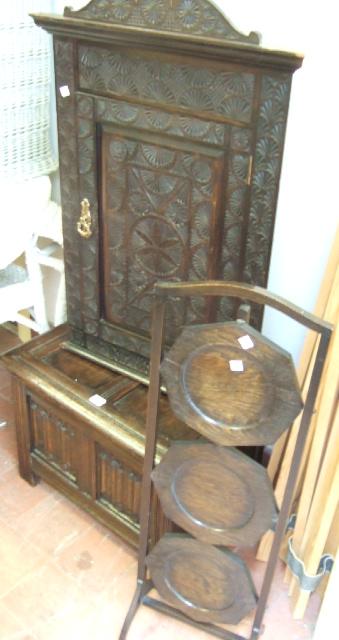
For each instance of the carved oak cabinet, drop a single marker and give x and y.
(171, 132)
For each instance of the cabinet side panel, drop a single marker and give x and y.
(68, 155)
(270, 137)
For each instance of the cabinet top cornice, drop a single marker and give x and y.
(94, 29)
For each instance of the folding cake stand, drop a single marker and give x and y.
(235, 388)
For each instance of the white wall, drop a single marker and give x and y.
(308, 200)
(307, 210)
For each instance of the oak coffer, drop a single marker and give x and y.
(171, 132)
(81, 427)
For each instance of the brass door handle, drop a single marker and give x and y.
(84, 224)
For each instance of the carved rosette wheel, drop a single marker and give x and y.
(120, 10)
(154, 12)
(231, 384)
(157, 246)
(205, 583)
(217, 494)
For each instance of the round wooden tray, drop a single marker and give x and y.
(217, 494)
(207, 584)
(231, 384)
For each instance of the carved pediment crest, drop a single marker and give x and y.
(194, 17)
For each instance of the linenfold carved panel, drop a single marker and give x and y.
(53, 440)
(195, 17)
(225, 94)
(119, 490)
(118, 487)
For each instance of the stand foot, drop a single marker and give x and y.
(131, 611)
(31, 478)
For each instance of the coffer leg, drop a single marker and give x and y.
(23, 433)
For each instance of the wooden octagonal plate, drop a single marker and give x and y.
(217, 494)
(231, 384)
(205, 583)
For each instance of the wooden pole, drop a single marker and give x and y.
(321, 515)
(328, 615)
(322, 424)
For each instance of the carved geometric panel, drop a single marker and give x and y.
(157, 208)
(160, 120)
(227, 95)
(215, 230)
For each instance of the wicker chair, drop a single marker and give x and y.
(21, 289)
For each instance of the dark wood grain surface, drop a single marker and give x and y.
(217, 494)
(231, 384)
(208, 584)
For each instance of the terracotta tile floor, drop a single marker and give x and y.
(65, 577)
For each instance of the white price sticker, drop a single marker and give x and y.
(97, 400)
(64, 91)
(236, 365)
(246, 342)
